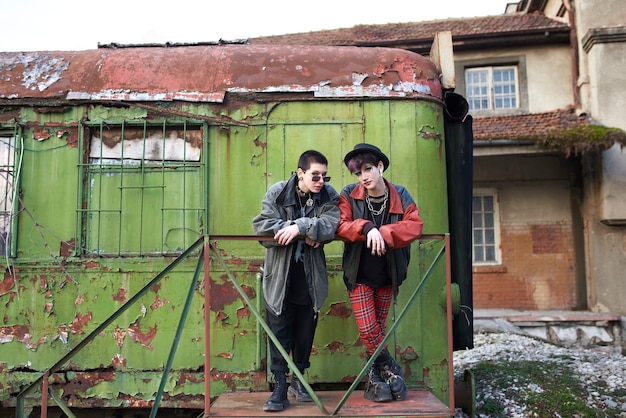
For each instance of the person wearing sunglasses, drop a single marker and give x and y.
(302, 214)
(379, 221)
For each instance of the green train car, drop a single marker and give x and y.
(130, 176)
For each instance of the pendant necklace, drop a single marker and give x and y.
(309, 201)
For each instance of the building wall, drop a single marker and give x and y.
(538, 269)
(601, 32)
(545, 70)
(575, 262)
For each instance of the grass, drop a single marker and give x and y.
(545, 389)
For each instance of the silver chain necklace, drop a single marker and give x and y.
(382, 207)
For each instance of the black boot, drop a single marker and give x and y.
(278, 401)
(391, 372)
(297, 389)
(376, 389)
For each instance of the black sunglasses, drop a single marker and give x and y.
(317, 177)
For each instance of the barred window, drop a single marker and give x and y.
(143, 193)
(489, 88)
(7, 190)
(485, 228)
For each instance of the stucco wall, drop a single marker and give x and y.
(598, 13)
(545, 73)
(601, 28)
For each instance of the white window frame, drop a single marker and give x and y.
(491, 91)
(483, 231)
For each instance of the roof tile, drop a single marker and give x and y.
(413, 31)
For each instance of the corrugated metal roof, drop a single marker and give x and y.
(206, 73)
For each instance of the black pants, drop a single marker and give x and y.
(295, 329)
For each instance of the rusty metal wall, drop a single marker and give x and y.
(54, 293)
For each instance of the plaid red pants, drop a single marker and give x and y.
(371, 307)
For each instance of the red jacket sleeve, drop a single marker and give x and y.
(404, 232)
(349, 229)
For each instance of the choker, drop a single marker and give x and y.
(309, 201)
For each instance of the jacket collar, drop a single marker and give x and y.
(287, 196)
(395, 203)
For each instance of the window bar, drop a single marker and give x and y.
(80, 189)
(100, 170)
(142, 188)
(205, 181)
(163, 191)
(121, 200)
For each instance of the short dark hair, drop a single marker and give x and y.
(309, 157)
(355, 163)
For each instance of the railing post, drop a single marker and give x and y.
(207, 328)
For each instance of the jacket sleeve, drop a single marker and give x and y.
(405, 231)
(322, 227)
(350, 229)
(272, 217)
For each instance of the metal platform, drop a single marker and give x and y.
(419, 403)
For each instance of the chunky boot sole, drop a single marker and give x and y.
(300, 396)
(275, 406)
(378, 393)
(392, 374)
(398, 388)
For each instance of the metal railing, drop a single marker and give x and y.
(204, 264)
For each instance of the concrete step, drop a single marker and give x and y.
(566, 328)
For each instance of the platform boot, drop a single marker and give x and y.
(376, 389)
(278, 401)
(391, 372)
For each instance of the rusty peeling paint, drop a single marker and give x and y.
(160, 74)
(79, 322)
(20, 333)
(225, 355)
(43, 284)
(429, 132)
(79, 300)
(224, 294)
(137, 335)
(158, 302)
(41, 134)
(255, 265)
(6, 285)
(258, 381)
(339, 309)
(119, 335)
(336, 346)
(407, 355)
(62, 333)
(120, 296)
(243, 312)
(67, 247)
(261, 144)
(188, 377)
(118, 361)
